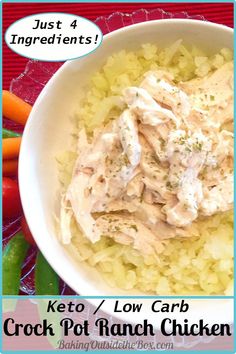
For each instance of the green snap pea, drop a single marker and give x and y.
(6, 133)
(46, 280)
(13, 256)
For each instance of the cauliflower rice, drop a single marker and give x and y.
(197, 265)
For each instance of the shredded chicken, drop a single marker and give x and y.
(129, 231)
(166, 160)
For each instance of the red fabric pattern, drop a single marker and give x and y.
(14, 64)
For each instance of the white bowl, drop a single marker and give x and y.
(47, 133)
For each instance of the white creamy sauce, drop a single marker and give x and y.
(164, 162)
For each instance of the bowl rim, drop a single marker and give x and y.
(22, 186)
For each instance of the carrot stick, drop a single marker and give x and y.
(10, 148)
(10, 167)
(15, 108)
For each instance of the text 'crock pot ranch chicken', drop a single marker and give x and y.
(163, 163)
